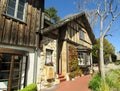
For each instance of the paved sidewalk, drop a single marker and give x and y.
(79, 84)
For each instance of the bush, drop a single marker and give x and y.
(94, 84)
(117, 62)
(31, 87)
(78, 72)
(104, 87)
(113, 79)
(75, 73)
(71, 75)
(111, 83)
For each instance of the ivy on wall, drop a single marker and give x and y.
(73, 59)
(73, 63)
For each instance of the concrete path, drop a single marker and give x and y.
(79, 84)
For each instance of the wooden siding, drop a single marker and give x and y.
(15, 32)
(73, 33)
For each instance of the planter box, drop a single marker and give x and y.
(50, 72)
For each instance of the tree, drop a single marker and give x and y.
(107, 11)
(52, 12)
(109, 50)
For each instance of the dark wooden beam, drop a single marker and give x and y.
(51, 35)
(12, 51)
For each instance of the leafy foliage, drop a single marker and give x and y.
(111, 83)
(108, 49)
(31, 87)
(73, 63)
(104, 87)
(52, 12)
(113, 79)
(95, 82)
(73, 59)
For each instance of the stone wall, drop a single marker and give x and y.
(47, 43)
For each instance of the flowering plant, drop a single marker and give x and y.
(49, 64)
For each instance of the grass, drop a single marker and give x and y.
(111, 83)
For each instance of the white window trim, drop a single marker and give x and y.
(16, 9)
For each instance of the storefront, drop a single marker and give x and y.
(13, 65)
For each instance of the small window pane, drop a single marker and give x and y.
(16, 74)
(16, 66)
(13, 0)
(20, 15)
(5, 60)
(10, 11)
(22, 2)
(11, 4)
(4, 75)
(15, 84)
(20, 8)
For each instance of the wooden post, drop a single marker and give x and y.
(11, 74)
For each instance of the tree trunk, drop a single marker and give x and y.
(110, 58)
(102, 59)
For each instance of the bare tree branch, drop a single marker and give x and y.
(105, 7)
(105, 16)
(110, 24)
(98, 9)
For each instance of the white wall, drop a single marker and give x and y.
(30, 68)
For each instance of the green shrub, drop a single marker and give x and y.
(104, 87)
(71, 75)
(75, 73)
(95, 82)
(113, 79)
(78, 72)
(31, 87)
(117, 62)
(111, 83)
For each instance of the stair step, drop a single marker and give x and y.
(61, 78)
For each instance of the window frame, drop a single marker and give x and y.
(51, 52)
(16, 11)
(81, 34)
(12, 71)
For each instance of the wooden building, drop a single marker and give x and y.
(73, 31)
(20, 25)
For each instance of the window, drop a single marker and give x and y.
(82, 35)
(80, 58)
(48, 56)
(16, 9)
(12, 71)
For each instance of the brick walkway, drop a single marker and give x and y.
(79, 84)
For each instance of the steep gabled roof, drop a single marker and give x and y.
(71, 18)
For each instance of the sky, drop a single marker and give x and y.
(67, 7)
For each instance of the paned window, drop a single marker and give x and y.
(82, 35)
(80, 58)
(16, 9)
(48, 56)
(12, 72)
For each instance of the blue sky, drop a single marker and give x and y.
(67, 7)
